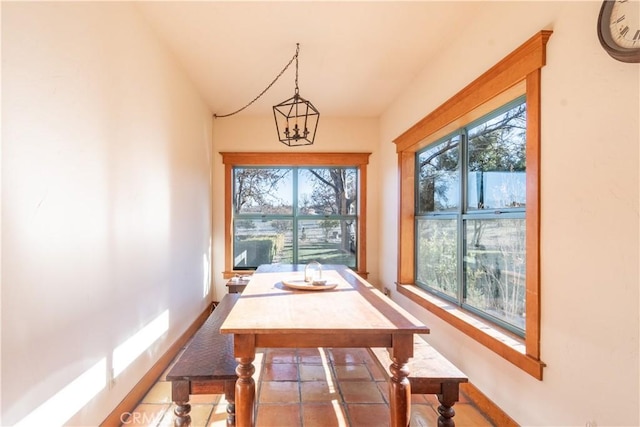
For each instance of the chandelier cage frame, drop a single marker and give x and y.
(296, 121)
(296, 118)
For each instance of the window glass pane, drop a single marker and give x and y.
(496, 163)
(436, 252)
(328, 241)
(262, 242)
(266, 211)
(264, 191)
(438, 177)
(323, 191)
(495, 268)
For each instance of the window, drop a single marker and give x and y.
(292, 208)
(294, 215)
(470, 217)
(469, 232)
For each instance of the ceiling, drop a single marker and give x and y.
(355, 57)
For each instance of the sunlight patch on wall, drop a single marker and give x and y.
(129, 350)
(64, 404)
(206, 275)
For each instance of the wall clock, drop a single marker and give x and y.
(619, 29)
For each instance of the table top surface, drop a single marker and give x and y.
(267, 306)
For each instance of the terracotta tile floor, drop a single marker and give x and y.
(310, 388)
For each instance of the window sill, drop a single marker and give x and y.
(501, 342)
(229, 274)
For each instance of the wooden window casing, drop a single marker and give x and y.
(357, 160)
(517, 74)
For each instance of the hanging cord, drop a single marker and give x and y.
(295, 56)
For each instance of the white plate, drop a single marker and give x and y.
(305, 286)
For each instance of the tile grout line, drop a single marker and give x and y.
(343, 402)
(299, 378)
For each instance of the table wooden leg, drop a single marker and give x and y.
(399, 385)
(245, 352)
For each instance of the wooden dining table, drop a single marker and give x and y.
(271, 314)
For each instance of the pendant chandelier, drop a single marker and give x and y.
(296, 118)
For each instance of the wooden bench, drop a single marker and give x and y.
(206, 366)
(429, 373)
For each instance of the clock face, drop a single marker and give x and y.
(619, 29)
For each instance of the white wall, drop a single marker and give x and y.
(589, 242)
(106, 202)
(242, 134)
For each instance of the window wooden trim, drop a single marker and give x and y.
(517, 74)
(358, 160)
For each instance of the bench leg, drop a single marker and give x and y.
(180, 396)
(181, 412)
(447, 399)
(230, 396)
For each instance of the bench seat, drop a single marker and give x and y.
(207, 365)
(429, 373)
